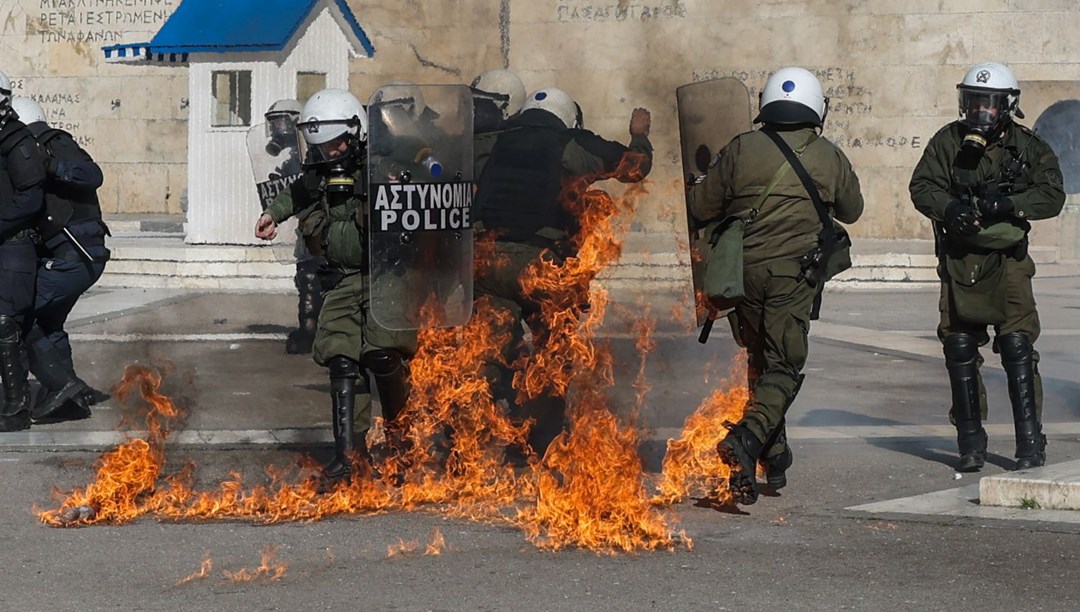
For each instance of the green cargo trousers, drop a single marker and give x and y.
(346, 328)
(773, 322)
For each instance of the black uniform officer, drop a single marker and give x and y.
(22, 174)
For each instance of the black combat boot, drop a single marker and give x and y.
(962, 362)
(1017, 357)
(15, 411)
(740, 450)
(776, 467)
(344, 374)
(301, 340)
(62, 393)
(390, 380)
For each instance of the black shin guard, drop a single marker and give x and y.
(1017, 357)
(962, 362)
(15, 411)
(346, 380)
(390, 380)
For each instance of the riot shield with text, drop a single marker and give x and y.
(711, 113)
(420, 205)
(275, 164)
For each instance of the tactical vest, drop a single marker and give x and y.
(518, 192)
(1004, 234)
(65, 205)
(20, 162)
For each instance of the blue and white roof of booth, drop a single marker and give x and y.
(235, 26)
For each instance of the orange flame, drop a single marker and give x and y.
(589, 491)
(204, 571)
(437, 544)
(270, 568)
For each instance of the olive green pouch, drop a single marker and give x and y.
(723, 280)
(976, 284)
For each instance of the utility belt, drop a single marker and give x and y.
(331, 275)
(557, 241)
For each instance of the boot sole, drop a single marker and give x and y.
(741, 484)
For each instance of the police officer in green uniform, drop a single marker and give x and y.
(498, 96)
(330, 198)
(22, 178)
(773, 317)
(519, 204)
(982, 179)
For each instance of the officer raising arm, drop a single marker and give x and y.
(981, 180)
(519, 203)
(752, 179)
(22, 173)
(348, 341)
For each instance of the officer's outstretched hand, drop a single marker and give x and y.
(961, 219)
(640, 122)
(266, 228)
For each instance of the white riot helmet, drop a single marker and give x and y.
(330, 117)
(285, 106)
(5, 94)
(989, 97)
(792, 96)
(281, 120)
(503, 87)
(27, 110)
(555, 101)
(403, 94)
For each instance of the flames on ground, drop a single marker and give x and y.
(590, 490)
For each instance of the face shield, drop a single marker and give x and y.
(280, 132)
(983, 110)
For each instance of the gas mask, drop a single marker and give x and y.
(984, 113)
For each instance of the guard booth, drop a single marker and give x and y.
(242, 56)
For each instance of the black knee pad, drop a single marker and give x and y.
(343, 367)
(1014, 347)
(9, 329)
(961, 348)
(382, 362)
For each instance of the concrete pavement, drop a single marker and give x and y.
(869, 429)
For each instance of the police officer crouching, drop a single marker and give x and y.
(348, 341)
(22, 174)
(982, 179)
(72, 257)
(753, 179)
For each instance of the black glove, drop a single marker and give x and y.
(960, 219)
(996, 207)
(51, 165)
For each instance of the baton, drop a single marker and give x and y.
(78, 246)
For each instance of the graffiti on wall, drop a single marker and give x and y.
(584, 10)
(99, 21)
(848, 100)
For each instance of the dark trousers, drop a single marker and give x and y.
(60, 284)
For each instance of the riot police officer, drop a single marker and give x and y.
(348, 341)
(784, 231)
(519, 204)
(22, 174)
(982, 179)
(281, 120)
(72, 257)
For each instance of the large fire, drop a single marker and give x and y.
(590, 490)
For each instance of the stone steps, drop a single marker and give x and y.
(149, 258)
(1053, 487)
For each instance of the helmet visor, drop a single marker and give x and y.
(981, 108)
(334, 150)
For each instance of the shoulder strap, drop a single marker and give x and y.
(756, 206)
(827, 230)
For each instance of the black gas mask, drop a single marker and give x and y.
(984, 113)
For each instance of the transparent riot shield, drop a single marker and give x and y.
(420, 205)
(275, 164)
(711, 113)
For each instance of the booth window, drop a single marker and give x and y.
(308, 84)
(232, 98)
